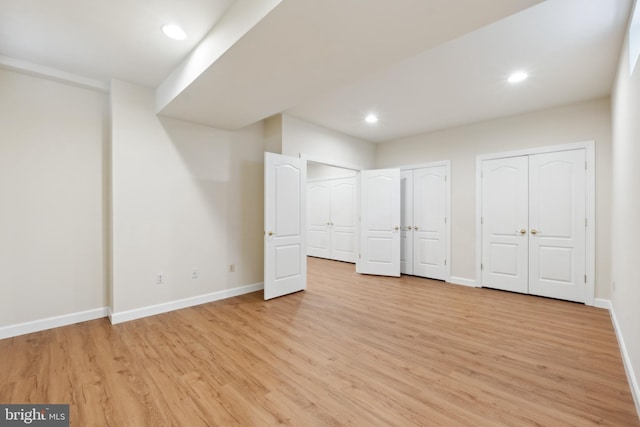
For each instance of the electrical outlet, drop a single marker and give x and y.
(194, 274)
(160, 279)
(232, 268)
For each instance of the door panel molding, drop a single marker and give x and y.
(379, 250)
(409, 171)
(589, 147)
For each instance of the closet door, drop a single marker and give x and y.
(557, 225)
(319, 219)
(534, 224)
(343, 232)
(380, 222)
(504, 219)
(429, 222)
(406, 222)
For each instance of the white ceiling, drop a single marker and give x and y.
(304, 48)
(420, 64)
(101, 39)
(570, 48)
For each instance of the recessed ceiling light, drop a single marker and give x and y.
(371, 118)
(517, 77)
(174, 32)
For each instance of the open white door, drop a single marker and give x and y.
(285, 261)
(379, 222)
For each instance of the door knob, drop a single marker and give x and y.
(534, 231)
(270, 233)
(415, 227)
(523, 231)
(409, 227)
(396, 228)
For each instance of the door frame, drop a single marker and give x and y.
(447, 165)
(589, 147)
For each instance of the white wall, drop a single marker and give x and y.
(626, 211)
(184, 197)
(573, 123)
(301, 137)
(52, 235)
(322, 171)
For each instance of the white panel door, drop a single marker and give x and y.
(285, 261)
(406, 222)
(504, 220)
(429, 222)
(342, 222)
(380, 222)
(319, 219)
(557, 228)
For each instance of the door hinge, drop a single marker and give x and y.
(481, 266)
(585, 222)
(585, 278)
(445, 219)
(585, 165)
(359, 256)
(481, 220)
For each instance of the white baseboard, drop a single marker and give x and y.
(462, 281)
(51, 322)
(138, 313)
(602, 303)
(628, 367)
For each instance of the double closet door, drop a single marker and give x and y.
(423, 235)
(533, 219)
(331, 219)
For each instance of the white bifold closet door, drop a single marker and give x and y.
(424, 222)
(319, 219)
(429, 222)
(343, 219)
(332, 219)
(379, 222)
(534, 224)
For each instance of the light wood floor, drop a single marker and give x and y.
(350, 350)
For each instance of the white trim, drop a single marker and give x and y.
(138, 313)
(52, 73)
(536, 150)
(446, 163)
(589, 147)
(628, 366)
(462, 281)
(51, 322)
(602, 303)
(590, 212)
